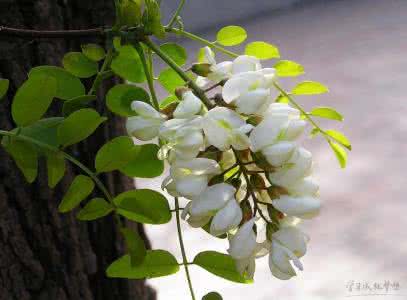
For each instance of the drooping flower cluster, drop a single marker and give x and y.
(238, 163)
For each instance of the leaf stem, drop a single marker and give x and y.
(201, 40)
(176, 13)
(149, 75)
(101, 74)
(198, 91)
(181, 244)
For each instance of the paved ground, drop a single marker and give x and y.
(359, 49)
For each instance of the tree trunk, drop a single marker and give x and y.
(46, 255)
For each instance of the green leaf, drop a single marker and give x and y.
(80, 188)
(282, 99)
(68, 86)
(79, 65)
(262, 50)
(145, 163)
(135, 246)
(170, 80)
(231, 36)
(120, 97)
(95, 209)
(152, 19)
(309, 88)
(212, 296)
(56, 168)
(200, 58)
(286, 68)
(176, 52)
(340, 138)
(221, 265)
(4, 84)
(77, 103)
(78, 126)
(340, 153)
(25, 157)
(157, 263)
(130, 12)
(128, 64)
(115, 154)
(44, 130)
(143, 206)
(169, 100)
(327, 113)
(93, 52)
(33, 99)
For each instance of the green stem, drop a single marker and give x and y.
(176, 13)
(149, 75)
(198, 91)
(102, 72)
(201, 40)
(296, 105)
(181, 244)
(68, 157)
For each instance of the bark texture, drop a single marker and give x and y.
(45, 255)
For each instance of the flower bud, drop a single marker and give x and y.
(302, 207)
(201, 69)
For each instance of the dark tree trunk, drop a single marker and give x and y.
(45, 255)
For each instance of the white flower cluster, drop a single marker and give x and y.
(249, 180)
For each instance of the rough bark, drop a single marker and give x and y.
(45, 255)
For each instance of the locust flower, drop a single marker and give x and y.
(188, 107)
(146, 124)
(224, 128)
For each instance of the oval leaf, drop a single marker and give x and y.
(68, 86)
(78, 126)
(285, 68)
(25, 157)
(56, 168)
(176, 52)
(33, 99)
(221, 265)
(309, 88)
(231, 35)
(212, 296)
(170, 80)
(262, 50)
(339, 137)
(115, 154)
(44, 130)
(94, 209)
(327, 113)
(80, 188)
(77, 103)
(145, 163)
(93, 52)
(340, 153)
(135, 246)
(120, 97)
(157, 263)
(144, 206)
(4, 84)
(128, 65)
(79, 65)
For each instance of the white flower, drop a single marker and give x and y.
(303, 187)
(188, 107)
(217, 72)
(145, 125)
(248, 91)
(288, 245)
(279, 153)
(224, 128)
(184, 138)
(297, 167)
(190, 177)
(304, 207)
(218, 201)
(245, 63)
(243, 243)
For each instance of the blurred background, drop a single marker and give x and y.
(358, 48)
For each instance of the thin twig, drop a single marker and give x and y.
(32, 33)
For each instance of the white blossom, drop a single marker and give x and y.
(189, 106)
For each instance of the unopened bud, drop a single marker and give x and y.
(201, 69)
(179, 91)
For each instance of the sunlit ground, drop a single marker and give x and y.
(358, 49)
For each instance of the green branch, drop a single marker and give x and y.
(181, 244)
(198, 91)
(176, 13)
(102, 72)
